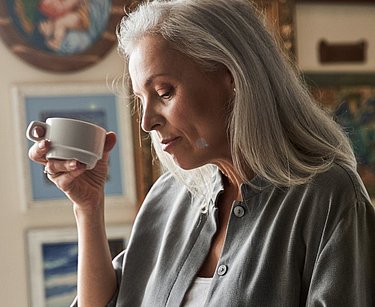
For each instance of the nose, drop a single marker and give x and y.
(152, 117)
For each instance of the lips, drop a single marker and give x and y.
(168, 143)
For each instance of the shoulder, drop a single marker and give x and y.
(339, 182)
(330, 197)
(339, 186)
(325, 200)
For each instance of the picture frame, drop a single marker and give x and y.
(61, 41)
(52, 262)
(90, 101)
(340, 44)
(350, 99)
(280, 17)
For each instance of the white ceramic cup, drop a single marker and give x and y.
(71, 139)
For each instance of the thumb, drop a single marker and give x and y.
(110, 141)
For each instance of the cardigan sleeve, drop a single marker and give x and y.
(117, 265)
(344, 272)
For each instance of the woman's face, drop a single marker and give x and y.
(186, 106)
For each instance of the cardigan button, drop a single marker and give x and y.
(222, 269)
(239, 211)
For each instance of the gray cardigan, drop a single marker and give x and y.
(308, 245)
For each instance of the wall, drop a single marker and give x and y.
(14, 222)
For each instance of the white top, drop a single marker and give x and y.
(197, 294)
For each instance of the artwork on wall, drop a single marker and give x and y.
(342, 52)
(52, 260)
(350, 98)
(328, 44)
(57, 37)
(93, 102)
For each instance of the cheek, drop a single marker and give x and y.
(194, 116)
(191, 124)
(201, 143)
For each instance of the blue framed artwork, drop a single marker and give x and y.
(53, 259)
(92, 102)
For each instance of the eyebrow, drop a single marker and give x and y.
(150, 79)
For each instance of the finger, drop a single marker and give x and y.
(38, 151)
(63, 180)
(110, 141)
(38, 132)
(54, 166)
(52, 175)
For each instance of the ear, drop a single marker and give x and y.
(229, 80)
(230, 85)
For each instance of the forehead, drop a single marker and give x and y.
(155, 56)
(150, 47)
(148, 50)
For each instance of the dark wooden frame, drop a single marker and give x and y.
(337, 78)
(280, 16)
(147, 166)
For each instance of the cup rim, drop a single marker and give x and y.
(76, 120)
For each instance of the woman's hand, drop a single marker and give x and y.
(85, 188)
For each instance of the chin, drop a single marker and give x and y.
(187, 165)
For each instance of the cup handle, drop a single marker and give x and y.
(31, 127)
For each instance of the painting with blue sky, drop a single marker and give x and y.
(53, 260)
(60, 262)
(98, 109)
(60, 273)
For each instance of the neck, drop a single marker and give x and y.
(231, 179)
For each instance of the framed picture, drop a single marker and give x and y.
(93, 102)
(343, 43)
(52, 262)
(350, 98)
(57, 37)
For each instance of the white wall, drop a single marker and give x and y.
(14, 288)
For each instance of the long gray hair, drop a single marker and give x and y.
(275, 128)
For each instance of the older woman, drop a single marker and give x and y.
(260, 204)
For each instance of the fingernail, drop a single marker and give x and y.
(73, 165)
(42, 144)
